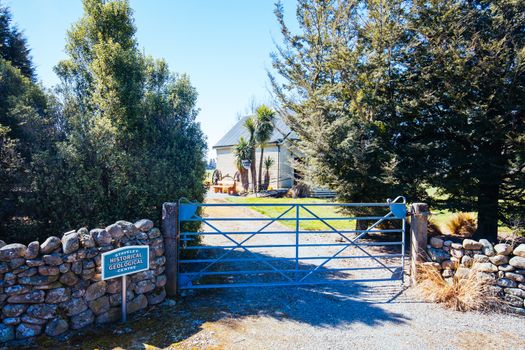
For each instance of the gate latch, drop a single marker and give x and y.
(399, 210)
(187, 211)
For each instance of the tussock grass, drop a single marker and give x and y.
(433, 228)
(465, 294)
(463, 224)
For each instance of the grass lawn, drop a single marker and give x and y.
(312, 225)
(439, 217)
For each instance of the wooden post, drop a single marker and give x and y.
(170, 231)
(418, 236)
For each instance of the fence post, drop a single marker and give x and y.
(170, 231)
(418, 236)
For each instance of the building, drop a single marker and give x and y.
(282, 173)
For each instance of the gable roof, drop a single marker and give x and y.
(280, 132)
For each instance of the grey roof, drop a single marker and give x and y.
(281, 131)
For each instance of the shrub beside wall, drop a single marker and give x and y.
(56, 286)
(501, 266)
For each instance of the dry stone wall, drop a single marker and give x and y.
(501, 266)
(56, 285)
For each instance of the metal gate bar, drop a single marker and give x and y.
(372, 244)
(298, 275)
(190, 233)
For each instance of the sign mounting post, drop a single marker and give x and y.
(124, 299)
(122, 262)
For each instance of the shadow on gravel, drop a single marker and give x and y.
(337, 306)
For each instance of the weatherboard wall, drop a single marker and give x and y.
(281, 172)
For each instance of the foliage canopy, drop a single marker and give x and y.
(125, 138)
(391, 97)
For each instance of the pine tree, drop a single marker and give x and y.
(13, 45)
(392, 97)
(27, 128)
(463, 126)
(337, 83)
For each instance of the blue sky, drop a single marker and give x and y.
(224, 45)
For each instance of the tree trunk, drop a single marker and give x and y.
(244, 179)
(254, 174)
(488, 206)
(361, 225)
(260, 169)
(266, 179)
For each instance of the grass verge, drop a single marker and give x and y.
(310, 225)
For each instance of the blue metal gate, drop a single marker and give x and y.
(238, 250)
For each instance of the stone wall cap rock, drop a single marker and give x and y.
(471, 244)
(503, 249)
(12, 251)
(488, 248)
(32, 251)
(86, 240)
(517, 262)
(144, 225)
(115, 231)
(70, 242)
(50, 245)
(101, 236)
(520, 250)
(129, 228)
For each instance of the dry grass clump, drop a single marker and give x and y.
(300, 190)
(433, 228)
(465, 294)
(463, 224)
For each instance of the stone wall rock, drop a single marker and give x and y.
(503, 249)
(12, 251)
(501, 267)
(517, 262)
(50, 244)
(519, 250)
(70, 242)
(55, 286)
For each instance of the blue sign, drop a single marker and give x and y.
(124, 261)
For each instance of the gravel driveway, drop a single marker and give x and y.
(371, 316)
(368, 316)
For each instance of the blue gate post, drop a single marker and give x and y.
(170, 232)
(297, 241)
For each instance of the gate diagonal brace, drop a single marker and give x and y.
(240, 245)
(351, 241)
